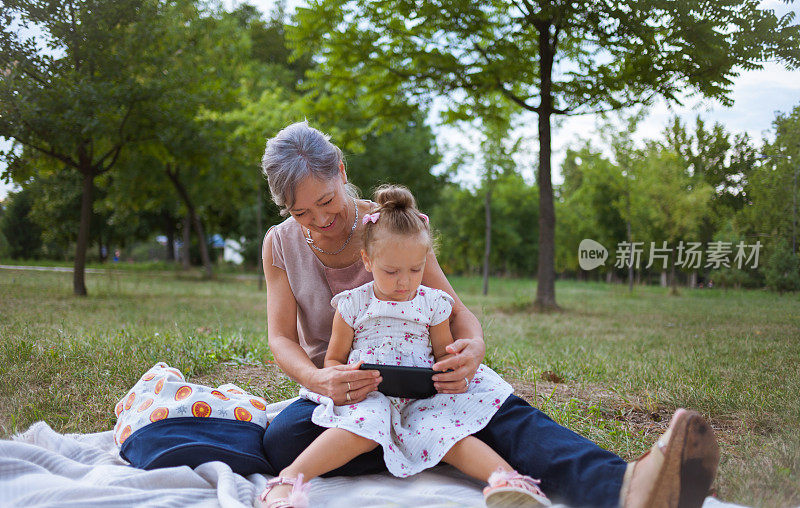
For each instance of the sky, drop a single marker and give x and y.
(757, 96)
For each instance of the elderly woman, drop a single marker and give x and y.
(314, 254)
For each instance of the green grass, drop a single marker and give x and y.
(623, 361)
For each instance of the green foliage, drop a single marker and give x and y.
(92, 79)
(651, 186)
(587, 204)
(269, 53)
(459, 222)
(21, 235)
(711, 158)
(4, 246)
(566, 58)
(616, 54)
(782, 270)
(734, 276)
(773, 189)
(404, 155)
(85, 83)
(671, 202)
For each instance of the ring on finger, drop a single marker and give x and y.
(348, 396)
(466, 382)
(348, 386)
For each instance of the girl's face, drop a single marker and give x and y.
(324, 207)
(397, 264)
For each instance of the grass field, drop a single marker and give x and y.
(612, 366)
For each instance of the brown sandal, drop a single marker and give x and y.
(688, 455)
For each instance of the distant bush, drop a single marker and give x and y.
(782, 270)
(4, 247)
(23, 236)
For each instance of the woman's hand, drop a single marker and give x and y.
(467, 355)
(346, 384)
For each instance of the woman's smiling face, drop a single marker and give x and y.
(323, 206)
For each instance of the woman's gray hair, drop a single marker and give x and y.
(296, 152)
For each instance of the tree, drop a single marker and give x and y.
(85, 85)
(711, 158)
(773, 200)
(549, 58)
(497, 151)
(587, 204)
(632, 205)
(783, 268)
(657, 196)
(494, 159)
(674, 202)
(459, 219)
(456, 220)
(190, 159)
(403, 155)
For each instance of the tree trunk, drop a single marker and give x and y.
(693, 279)
(663, 278)
(198, 228)
(546, 272)
(487, 249)
(107, 245)
(169, 231)
(187, 241)
(78, 274)
(192, 218)
(100, 255)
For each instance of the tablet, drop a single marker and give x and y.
(407, 382)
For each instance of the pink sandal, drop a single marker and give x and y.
(509, 489)
(297, 499)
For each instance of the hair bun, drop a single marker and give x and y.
(394, 197)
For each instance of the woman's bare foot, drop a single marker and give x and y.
(645, 470)
(677, 472)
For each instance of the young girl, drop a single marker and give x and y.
(394, 320)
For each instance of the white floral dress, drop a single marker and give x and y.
(415, 433)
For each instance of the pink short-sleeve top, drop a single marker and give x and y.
(313, 285)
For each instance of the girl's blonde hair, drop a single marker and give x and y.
(398, 215)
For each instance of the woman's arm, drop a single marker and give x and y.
(282, 321)
(285, 344)
(468, 349)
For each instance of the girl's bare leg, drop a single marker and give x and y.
(333, 448)
(475, 458)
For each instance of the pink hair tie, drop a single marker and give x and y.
(371, 217)
(424, 217)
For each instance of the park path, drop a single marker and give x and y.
(50, 268)
(238, 276)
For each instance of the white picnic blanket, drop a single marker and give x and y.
(43, 468)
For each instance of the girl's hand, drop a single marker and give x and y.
(466, 357)
(346, 384)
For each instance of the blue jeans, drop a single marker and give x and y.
(573, 469)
